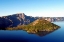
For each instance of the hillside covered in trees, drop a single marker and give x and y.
(37, 26)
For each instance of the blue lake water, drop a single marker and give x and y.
(23, 36)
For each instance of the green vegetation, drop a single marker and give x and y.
(36, 26)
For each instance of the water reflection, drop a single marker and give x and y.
(17, 36)
(42, 33)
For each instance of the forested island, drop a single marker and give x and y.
(30, 24)
(36, 26)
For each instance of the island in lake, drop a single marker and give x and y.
(39, 26)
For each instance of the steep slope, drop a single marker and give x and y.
(41, 25)
(20, 19)
(15, 20)
(4, 23)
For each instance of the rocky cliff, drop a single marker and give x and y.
(15, 20)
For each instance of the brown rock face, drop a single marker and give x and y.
(15, 20)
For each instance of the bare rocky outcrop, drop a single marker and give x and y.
(15, 20)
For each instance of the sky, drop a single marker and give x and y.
(43, 8)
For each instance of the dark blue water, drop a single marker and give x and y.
(23, 36)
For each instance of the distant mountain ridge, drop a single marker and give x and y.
(16, 19)
(22, 19)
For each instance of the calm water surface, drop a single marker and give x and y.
(23, 36)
